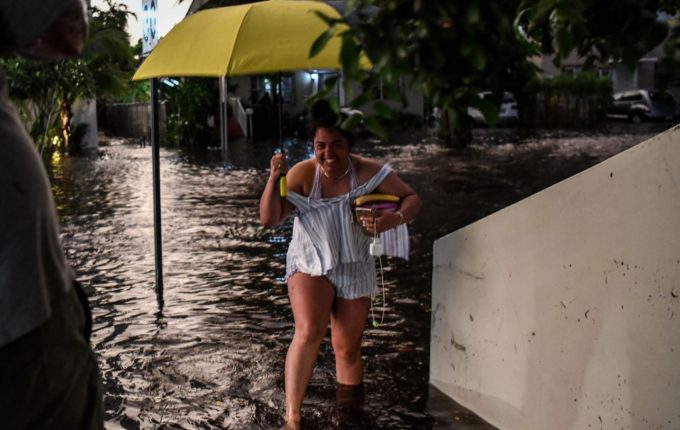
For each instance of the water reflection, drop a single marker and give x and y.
(214, 359)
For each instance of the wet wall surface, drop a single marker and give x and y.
(214, 357)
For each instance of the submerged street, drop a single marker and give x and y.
(214, 357)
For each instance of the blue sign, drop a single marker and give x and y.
(149, 32)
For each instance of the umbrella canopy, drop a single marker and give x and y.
(250, 39)
(263, 37)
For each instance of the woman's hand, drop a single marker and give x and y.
(381, 223)
(278, 165)
(274, 208)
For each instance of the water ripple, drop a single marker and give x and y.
(214, 358)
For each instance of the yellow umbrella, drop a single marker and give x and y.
(256, 38)
(263, 37)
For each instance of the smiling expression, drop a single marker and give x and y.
(331, 150)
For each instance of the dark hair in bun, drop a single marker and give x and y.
(322, 115)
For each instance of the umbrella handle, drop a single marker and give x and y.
(283, 186)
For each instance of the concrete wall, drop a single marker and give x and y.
(563, 310)
(624, 79)
(85, 112)
(646, 71)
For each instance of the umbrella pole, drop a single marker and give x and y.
(155, 144)
(224, 126)
(280, 115)
(283, 184)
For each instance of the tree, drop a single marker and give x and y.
(109, 54)
(452, 50)
(40, 88)
(192, 102)
(45, 88)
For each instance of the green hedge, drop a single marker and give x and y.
(570, 101)
(582, 84)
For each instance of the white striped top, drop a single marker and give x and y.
(325, 235)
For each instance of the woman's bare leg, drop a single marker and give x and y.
(311, 299)
(347, 327)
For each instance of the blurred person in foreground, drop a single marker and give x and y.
(330, 273)
(48, 372)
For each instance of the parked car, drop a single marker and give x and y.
(507, 114)
(643, 105)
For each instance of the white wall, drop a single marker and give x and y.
(624, 78)
(562, 311)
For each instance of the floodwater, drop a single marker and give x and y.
(213, 359)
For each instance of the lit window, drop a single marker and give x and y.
(571, 70)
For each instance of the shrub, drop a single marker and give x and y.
(572, 101)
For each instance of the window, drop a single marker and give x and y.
(632, 97)
(662, 97)
(571, 70)
(604, 72)
(263, 89)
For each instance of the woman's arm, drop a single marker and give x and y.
(409, 205)
(274, 209)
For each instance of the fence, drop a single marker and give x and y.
(564, 110)
(133, 120)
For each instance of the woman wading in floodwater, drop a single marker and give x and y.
(329, 271)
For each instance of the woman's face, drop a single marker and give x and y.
(331, 150)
